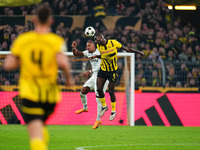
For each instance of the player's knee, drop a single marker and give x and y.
(99, 91)
(111, 92)
(82, 95)
(97, 94)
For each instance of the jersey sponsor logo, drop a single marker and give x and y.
(106, 52)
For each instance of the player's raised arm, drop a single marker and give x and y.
(97, 56)
(132, 50)
(75, 51)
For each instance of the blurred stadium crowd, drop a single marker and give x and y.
(172, 49)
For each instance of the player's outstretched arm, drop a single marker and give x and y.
(63, 63)
(11, 62)
(132, 50)
(96, 56)
(75, 51)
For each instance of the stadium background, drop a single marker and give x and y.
(169, 40)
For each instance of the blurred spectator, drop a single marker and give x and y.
(139, 58)
(192, 83)
(2, 79)
(172, 78)
(171, 56)
(159, 70)
(198, 60)
(7, 82)
(6, 11)
(158, 43)
(146, 50)
(167, 84)
(132, 8)
(150, 39)
(6, 35)
(169, 66)
(167, 47)
(154, 78)
(79, 79)
(10, 13)
(153, 57)
(15, 80)
(189, 77)
(182, 74)
(178, 84)
(143, 82)
(139, 69)
(183, 56)
(13, 36)
(197, 51)
(192, 40)
(190, 54)
(148, 72)
(161, 52)
(4, 46)
(158, 84)
(138, 79)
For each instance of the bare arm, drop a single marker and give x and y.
(63, 63)
(132, 50)
(97, 56)
(11, 62)
(85, 74)
(75, 51)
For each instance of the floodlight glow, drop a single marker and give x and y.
(182, 7)
(170, 7)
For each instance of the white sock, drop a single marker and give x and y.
(84, 101)
(99, 107)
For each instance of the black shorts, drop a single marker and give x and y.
(36, 110)
(110, 76)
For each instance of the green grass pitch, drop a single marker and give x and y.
(65, 137)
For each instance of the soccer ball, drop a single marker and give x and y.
(89, 31)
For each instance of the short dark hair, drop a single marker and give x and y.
(90, 41)
(98, 34)
(43, 11)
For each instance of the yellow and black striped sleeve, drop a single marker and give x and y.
(116, 44)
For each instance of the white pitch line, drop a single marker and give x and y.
(159, 144)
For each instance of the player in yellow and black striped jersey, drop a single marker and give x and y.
(108, 49)
(39, 53)
(109, 55)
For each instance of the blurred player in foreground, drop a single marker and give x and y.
(90, 84)
(39, 53)
(108, 71)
